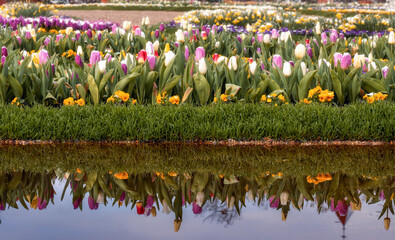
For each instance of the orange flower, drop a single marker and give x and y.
(175, 100)
(80, 102)
(122, 175)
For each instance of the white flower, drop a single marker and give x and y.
(127, 25)
(221, 59)
(284, 198)
(102, 66)
(300, 51)
(318, 28)
(232, 63)
(100, 198)
(180, 36)
(149, 48)
(391, 38)
(266, 38)
(168, 57)
(287, 70)
(217, 44)
(200, 198)
(253, 67)
(79, 51)
(202, 66)
(303, 67)
(147, 21)
(69, 30)
(156, 45)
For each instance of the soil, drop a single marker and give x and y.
(119, 16)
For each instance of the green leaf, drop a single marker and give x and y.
(15, 86)
(128, 79)
(93, 89)
(304, 85)
(202, 88)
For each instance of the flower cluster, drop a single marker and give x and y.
(374, 97)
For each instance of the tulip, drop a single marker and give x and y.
(285, 36)
(162, 27)
(341, 36)
(387, 223)
(310, 52)
(79, 51)
(217, 44)
(3, 58)
(79, 61)
(176, 44)
(142, 56)
(275, 34)
(100, 198)
(69, 30)
(102, 66)
(200, 198)
(199, 53)
(385, 71)
(274, 203)
(143, 21)
(287, 70)
(303, 67)
(4, 52)
(186, 53)
(232, 63)
(156, 46)
(166, 208)
(139, 208)
(77, 203)
(230, 202)
(318, 28)
(77, 35)
(266, 38)
(127, 25)
(358, 60)
(196, 208)
(372, 65)
(337, 57)
(284, 198)
(346, 61)
(33, 34)
(167, 48)
(28, 35)
(258, 50)
(204, 35)
(19, 40)
(41, 203)
(333, 37)
(391, 38)
(341, 207)
(89, 33)
(95, 57)
(221, 59)
(157, 33)
(215, 57)
(150, 201)
(177, 225)
(151, 62)
(262, 66)
(180, 36)
(300, 51)
(202, 66)
(137, 32)
(124, 66)
(43, 56)
(53, 68)
(277, 61)
(114, 28)
(324, 38)
(153, 211)
(169, 56)
(260, 37)
(92, 204)
(253, 67)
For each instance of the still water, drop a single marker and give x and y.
(89, 192)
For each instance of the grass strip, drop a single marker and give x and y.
(239, 121)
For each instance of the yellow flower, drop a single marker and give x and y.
(263, 98)
(134, 101)
(122, 175)
(15, 101)
(167, 47)
(175, 100)
(224, 97)
(122, 95)
(281, 97)
(68, 101)
(110, 99)
(80, 102)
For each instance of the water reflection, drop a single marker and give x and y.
(219, 198)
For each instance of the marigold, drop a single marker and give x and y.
(68, 101)
(110, 99)
(263, 98)
(224, 97)
(80, 102)
(175, 100)
(122, 175)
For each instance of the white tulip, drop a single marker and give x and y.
(200, 198)
(129, 37)
(266, 38)
(69, 30)
(318, 28)
(284, 198)
(221, 59)
(102, 66)
(180, 36)
(156, 45)
(147, 21)
(217, 44)
(391, 38)
(100, 198)
(300, 51)
(166, 208)
(169, 56)
(232, 63)
(79, 51)
(253, 67)
(303, 67)
(287, 70)
(202, 66)
(127, 25)
(149, 48)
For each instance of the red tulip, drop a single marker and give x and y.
(140, 208)
(142, 56)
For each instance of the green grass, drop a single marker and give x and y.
(238, 121)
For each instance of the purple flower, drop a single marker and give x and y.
(28, 35)
(309, 51)
(157, 33)
(337, 57)
(277, 61)
(137, 32)
(260, 37)
(186, 54)
(78, 60)
(262, 66)
(95, 58)
(114, 28)
(46, 41)
(4, 52)
(1, 206)
(150, 201)
(78, 35)
(239, 38)
(333, 37)
(89, 33)
(346, 61)
(258, 50)
(124, 68)
(92, 204)
(199, 53)
(196, 209)
(324, 38)
(176, 44)
(123, 195)
(99, 36)
(341, 36)
(53, 72)
(275, 34)
(341, 207)
(162, 27)
(58, 37)
(252, 40)
(292, 63)
(77, 203)
(274, 202)
(19, 40)
(151, 61)
(41, 203)
(385, 70)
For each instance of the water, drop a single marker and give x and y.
(357, 180)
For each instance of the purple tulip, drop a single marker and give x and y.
(239, 38)
(341, 207)
(333, 37)
(258, 50)
(162, 27)
(260, 37)
(262, 66)
(79, 61)
(199, 53)
(292, 63)
(58, 37)
(77, 203)
(252, 40)
(28, 35)
(19, 40)
(310, 52)
(114, 29)
(157, 33)
(385, 70)
(324, 38)
(46, 41)
(382, 196)
(124, 68)
(108, 57)
(3, 58)
(78, 35)
(92, 204)
(176, 44)
(151, 62)
(98, 36)
(337, 57)
(196, 209)
(274, 202)
(341, 36)
(89, 33)
(186, 54)
(2, 206)
(95, 58)
(41, 203)
(346, 61)
(150, 201)
(43, 56)
(123, 195)
(4, 52)
(277, 61)
(137, 32)
(53, 72)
